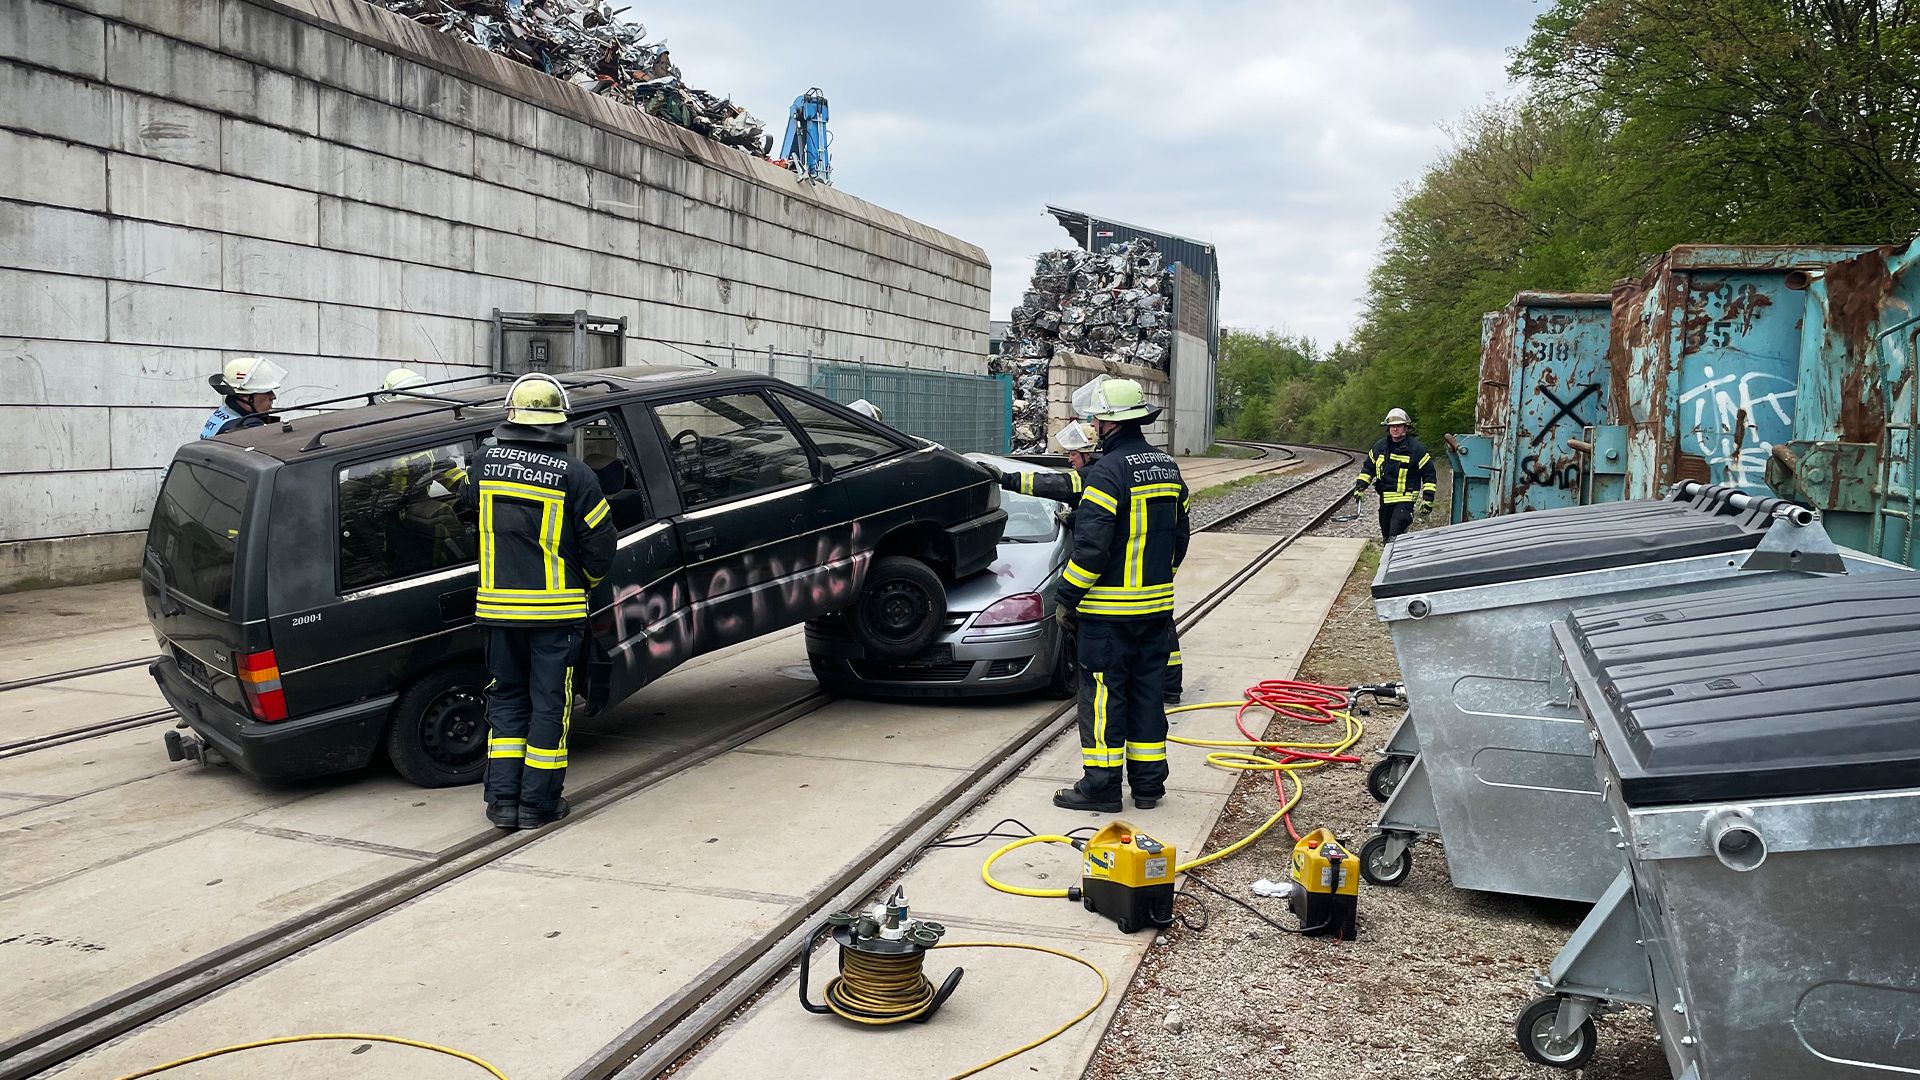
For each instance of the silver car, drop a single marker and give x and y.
(1000, 636)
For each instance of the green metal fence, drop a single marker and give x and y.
(967, 413)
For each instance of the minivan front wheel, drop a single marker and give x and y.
(438, 735)
(900, 609)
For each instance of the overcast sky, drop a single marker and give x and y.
(1278, 131)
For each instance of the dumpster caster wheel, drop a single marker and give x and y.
(1384, 777)
(1378, 869)
(1534, 1030)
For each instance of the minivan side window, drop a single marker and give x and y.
(839, 441)
(729, 446)
(400, 516)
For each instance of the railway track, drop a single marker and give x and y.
(671, 1029)
(74, 673)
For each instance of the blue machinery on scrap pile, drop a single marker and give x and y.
(805, 149)
(1775, 370)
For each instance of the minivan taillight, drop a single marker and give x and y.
(260, 680)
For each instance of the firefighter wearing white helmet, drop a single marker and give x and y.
(1393, 463)
(1130, 534)
(546, 538)
(248, 384)
(867, 409)
(400, 379)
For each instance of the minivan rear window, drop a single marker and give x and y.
(196, 526)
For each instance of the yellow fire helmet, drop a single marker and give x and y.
(537, 398)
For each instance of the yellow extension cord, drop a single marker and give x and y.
(346, 1036)
(1238, 758)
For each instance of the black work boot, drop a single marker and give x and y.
(1072, 798)
(1171, 697)
(1146, 802)
(504, 815)
(533, 819)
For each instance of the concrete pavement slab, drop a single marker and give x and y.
(946, 734)
(1006, 998)
(90, 764)
(61, 839)
(69, 944)
(716, 828)
(493, 966)
(25, 656)
(34, 711)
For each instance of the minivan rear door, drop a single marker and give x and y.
(188, 574)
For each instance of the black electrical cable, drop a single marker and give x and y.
(966, 840)
(1254, 911)
(1206, 917)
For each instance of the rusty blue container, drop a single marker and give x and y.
(1704, 369)
(1855, 454)
(1543, 381)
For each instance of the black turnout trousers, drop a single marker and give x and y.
(1123, 716)
(529, 709)
(1395, 518)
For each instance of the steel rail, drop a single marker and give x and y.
(674, 1029)
(76, 673)
(94, 730)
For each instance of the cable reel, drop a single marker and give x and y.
(883, 953)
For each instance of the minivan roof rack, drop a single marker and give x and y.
(369, 396)
(456, 407)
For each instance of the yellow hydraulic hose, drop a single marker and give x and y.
(318, 1037)
(1237, 759)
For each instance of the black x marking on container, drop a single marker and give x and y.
(1565, 409)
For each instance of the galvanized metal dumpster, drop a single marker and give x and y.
(1855, 454)
(1760, 753)
(1504, 773)
(1543, 380)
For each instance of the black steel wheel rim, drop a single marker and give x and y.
(453, 730)
(897, 608)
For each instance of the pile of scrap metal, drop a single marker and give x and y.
(585, 43)
(1115, 303)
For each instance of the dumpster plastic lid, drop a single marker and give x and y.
(1566, 540)
(1791, 687)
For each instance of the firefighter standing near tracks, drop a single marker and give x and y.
(1391, 467)
(1130, 534)
(1082, 450)
(545, 539)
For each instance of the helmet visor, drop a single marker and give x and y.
(262, 377)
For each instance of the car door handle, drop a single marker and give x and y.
(699, 537)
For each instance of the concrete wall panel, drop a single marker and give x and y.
(50, 172)
(35, 439)
(141, 437)
(58, 106)
(52, 36)
(167, 68)
(394, 234)
(44, 305)
(177, 195)
(56, 241)
(156, 128)
(199, 319)
(165, 255)
(36, 505)
(88, 373)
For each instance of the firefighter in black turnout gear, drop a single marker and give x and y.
(1064, 487)
(1391, 466)
(545, 539)
(1130, 534)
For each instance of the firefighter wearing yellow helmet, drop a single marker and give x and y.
(1130, 534)
(1396, 459)
(398, 381)
(545, 540)
(247, 385)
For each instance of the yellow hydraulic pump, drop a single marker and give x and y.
(1128, 877)
(1326, 887)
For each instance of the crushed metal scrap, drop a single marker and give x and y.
(1115, 303)
(586, 43)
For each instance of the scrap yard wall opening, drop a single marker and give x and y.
(347, 191)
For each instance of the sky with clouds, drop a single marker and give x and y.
(1278, 131)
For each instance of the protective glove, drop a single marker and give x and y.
(1425, 511)
(1069, 619)
(1359, 488)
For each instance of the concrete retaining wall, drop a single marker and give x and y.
(344, 190)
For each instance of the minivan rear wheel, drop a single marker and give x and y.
(438, 735)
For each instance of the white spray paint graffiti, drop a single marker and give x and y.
(1734, 402)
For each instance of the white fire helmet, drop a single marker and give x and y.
(1395, 416)
(1074, 437)
(252, 375)
(866, 408)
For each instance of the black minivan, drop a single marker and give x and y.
(311, 583)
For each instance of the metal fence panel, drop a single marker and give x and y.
(967, 413)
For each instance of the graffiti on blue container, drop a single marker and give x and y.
(1728, 412)
(1563, 409)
